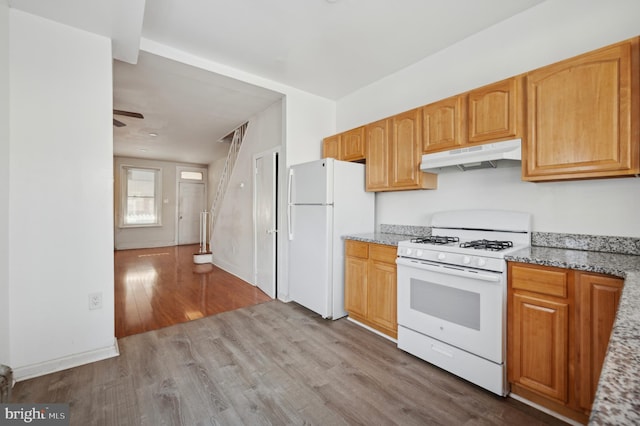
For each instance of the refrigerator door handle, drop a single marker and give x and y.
(289, 205)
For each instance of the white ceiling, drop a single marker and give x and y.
(189, 109)
(329, 48)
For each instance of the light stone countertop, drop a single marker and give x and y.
(617, 400)
(379, 238)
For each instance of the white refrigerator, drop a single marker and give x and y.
(327, 200)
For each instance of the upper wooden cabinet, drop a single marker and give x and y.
(346, 146)
(488, 114)
(352, 146)
(583, 116)
(393, 154)
(377, 152)
(444, 124)
(405, 150)
(331, 147)
(496, 111)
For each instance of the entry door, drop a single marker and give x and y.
(190, 204)
(266, 216)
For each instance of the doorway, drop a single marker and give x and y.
(265, 213)
(191, 202)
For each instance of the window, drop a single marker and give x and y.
(140, 196)
(185, 175)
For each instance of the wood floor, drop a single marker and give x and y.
(269, 364)
(159, 287)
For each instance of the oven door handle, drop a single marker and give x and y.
(423, 266)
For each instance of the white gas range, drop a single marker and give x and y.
(452, 292)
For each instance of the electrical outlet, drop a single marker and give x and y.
(95, 301)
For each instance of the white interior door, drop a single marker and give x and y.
(190, 204)
(265, 216)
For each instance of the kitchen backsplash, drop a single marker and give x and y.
(622, 245)
(416, 231)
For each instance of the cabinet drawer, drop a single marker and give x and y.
(357, 249)
(383, 253)
(544, 280)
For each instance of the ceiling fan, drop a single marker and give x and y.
(118, 123)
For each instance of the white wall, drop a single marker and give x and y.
(4, 182)
(60, 208)
(306, 119)
(156, 236)
(232, 240)
(547, 33)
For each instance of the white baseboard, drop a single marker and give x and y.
(143, 245)
(373, 330)
(59, 364)
(232, 269)
(544, 409)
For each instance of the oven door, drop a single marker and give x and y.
(462, 307)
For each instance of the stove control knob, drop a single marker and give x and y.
(408, 251)
(466, 260)
(419, 253)
(482, 262)
(441, 256)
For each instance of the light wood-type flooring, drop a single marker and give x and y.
(269, 364)
(158, 287)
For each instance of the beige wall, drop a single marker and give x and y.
(156, 236)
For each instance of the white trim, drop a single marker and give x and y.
(543, 409)
(232, 269)
(372, 330)
(205, 181)
(266, 154)
(59, 364)
(144, 244)
(124, 194)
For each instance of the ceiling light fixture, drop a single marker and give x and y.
(153, 134)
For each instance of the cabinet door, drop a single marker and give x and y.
(352, 145)
(377, 146)
(444, 124)
(331, 147)
(355, 286)
(598, 303)
(405, 143)
(582, 116)
(382, 305)
(539, 348)
(495, 111)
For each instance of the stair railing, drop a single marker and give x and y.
(234, 149)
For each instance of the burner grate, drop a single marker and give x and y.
(492, 245)
(435, 239)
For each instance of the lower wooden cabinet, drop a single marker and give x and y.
(598, 297)
(370, 285)
(540, 345)
(559, 323)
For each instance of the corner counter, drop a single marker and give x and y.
(617, 399)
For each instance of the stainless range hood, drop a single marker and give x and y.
(473, 157)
